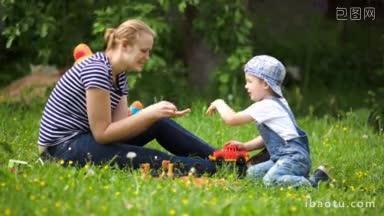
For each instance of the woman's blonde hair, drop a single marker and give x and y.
(127, 31)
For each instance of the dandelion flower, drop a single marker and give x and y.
(172, 212)
(185, 201)
(7, 211)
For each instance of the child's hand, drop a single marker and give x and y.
(212, 107)
(238, 144)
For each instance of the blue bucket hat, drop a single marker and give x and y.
(269, 69)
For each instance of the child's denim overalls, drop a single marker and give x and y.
(290, 162)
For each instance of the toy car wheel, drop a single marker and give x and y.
(219, 160)
(240, 160)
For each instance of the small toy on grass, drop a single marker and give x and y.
(230, 152)
(170, 170)
(13, 165)
(145, 169)
(81, 52)
(164, 167)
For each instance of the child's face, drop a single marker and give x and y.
(257, 88)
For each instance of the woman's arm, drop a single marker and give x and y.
(229, 116)
(105, 131)
(121, 110)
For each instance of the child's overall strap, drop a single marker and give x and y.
(288, 110)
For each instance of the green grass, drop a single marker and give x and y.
(347, 146)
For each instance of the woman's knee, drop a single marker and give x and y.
(162, 122)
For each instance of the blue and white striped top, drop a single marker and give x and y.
(65, 114)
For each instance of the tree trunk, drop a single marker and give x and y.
(198, 56)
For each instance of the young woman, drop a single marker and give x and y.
(86, 116)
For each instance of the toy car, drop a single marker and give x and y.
(230, 152)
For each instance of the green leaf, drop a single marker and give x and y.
(224, 78)
(9, 42)
(44, 30)
(182, 6)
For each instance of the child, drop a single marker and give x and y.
(287, 144)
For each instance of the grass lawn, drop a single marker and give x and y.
(351, 151)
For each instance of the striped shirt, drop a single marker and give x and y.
(65, 114)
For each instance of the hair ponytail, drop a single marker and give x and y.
(127, 31)
(109, 37)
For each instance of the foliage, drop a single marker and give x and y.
(375, 101)
(331, 56)
(46, 31)
(42, 32)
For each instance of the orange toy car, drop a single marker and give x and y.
(230, 152)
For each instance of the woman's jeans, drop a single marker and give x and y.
(187, 149)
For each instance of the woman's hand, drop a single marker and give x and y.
(164, 109)
(181, 112)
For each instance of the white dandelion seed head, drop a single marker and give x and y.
(131, 155)
(192, 170)
(91, 172)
